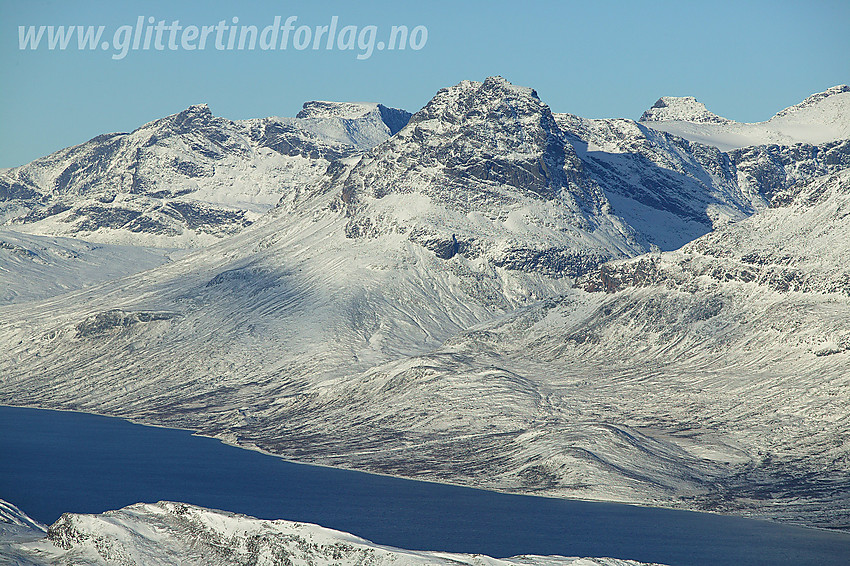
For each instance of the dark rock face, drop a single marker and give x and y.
(36, 214)
(777, 170)
(394, 118)
(15, 191)
(94, 217)
(116, 319)
(63, 533)
(612, 278)
(207, 218)
(640, 168)
(287, 139)
(443, 246)
(781, 262)
(252, 279)
(552, 262)
(495, 134)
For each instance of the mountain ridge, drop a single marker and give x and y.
(820, 118)
(183, 180)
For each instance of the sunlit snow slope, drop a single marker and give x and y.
(821, 118)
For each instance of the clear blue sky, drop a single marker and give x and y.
(745, 60)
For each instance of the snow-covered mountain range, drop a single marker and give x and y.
(494, 295)
(186, 179)
(168, 533)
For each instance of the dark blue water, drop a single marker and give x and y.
(52, 462)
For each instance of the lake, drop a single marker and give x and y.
(52, 462)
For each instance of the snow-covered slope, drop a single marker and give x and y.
(16, 526)
(714, 377)
(480, 205)
(719, 372)
(822, 117)
(175, 533)
(413, 313)
(38, 267)
(187, 179)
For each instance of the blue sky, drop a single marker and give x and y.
(744, 60)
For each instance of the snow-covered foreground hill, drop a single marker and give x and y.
(439, 307)
(821, 118)
(175, 533)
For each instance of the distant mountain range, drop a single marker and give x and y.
(485, 292)
(819, 119)
(189, 178)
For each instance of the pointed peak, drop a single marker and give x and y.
(495, 95)
(202, 109)
(499, 82)
(197, 115)
(680, 109)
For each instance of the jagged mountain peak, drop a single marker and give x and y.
(493, 121)
(194, 117)
(485, 172)
(201, 108)
(497, 96)
(471, 141)
(681, 108)
(504, 85)
(196, 111)
(493, 148)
